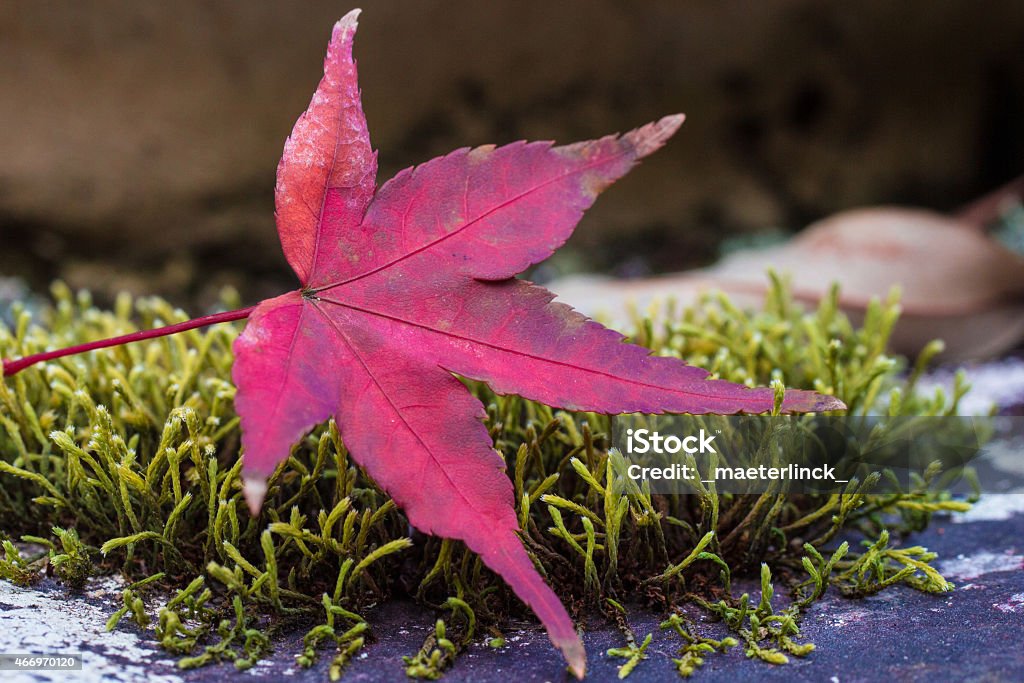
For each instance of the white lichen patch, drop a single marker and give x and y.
(55, 622)
(994, 507)
(998, 383)
(979, 564)
(264, 667)
(845, 617)
(1015, 605)
(1007, 455)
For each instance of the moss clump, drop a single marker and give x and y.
(135, 450)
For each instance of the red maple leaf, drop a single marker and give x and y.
(406, 285)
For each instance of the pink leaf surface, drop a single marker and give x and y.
(327, 173)
(404, 287)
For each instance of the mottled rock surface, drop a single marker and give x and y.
(972, 633)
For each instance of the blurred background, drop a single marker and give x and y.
(139, 140)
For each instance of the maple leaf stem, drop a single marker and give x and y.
(17, 365)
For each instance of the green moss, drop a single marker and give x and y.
(441, 647)
(133, 451)
(71, 562)
(633, 653)
(15, 568)
(695, 649)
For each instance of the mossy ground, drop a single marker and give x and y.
(126, 460)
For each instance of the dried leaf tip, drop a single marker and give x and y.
(803, 401)
(653, 136)
(576, 656)
(254, 488)
(826, 403)
(345, 27)
(339, 49)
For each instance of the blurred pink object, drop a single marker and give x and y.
(957, 283)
